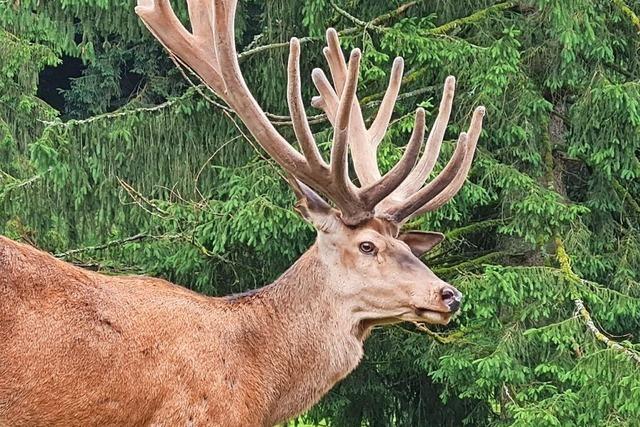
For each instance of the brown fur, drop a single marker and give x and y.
(81, 348)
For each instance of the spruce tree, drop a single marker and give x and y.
(114, 158)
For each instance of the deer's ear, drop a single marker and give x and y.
(421, 242)
(313, 208)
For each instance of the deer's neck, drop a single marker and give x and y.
(307, 338)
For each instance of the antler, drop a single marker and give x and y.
(210, 51)
(408, 199)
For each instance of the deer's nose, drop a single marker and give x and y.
(451, 297)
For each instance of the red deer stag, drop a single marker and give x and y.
(81, 348)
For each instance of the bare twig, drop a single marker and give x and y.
(353, 19)
(197, 178)
(115, 114)
(107, 245)
(138, 198)
(16, 183)
(442, 339)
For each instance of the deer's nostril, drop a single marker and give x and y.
(447, 294)
(451, 297)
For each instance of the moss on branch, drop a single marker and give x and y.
(473, 18)
(626, 10)
(574, 280)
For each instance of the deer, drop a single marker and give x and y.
(81, 348)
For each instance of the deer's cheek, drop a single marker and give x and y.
(349, 260)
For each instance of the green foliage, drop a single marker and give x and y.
(143, 174)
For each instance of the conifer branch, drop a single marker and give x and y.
(473, 18)
(567, 271)
(474, 262)
(625, 9)
(574, 280)
(118, 113)
(626, 197)
(140, 237)
(375, 99)
(398, 11)
(142, 201)
(15, 183)
(475, 227)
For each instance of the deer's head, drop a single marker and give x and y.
(372, 261)
(377, 272)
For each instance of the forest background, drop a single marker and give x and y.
(111, 159)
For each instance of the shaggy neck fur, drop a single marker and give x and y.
(306, 337)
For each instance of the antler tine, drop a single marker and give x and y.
(399, 211)
(381, 189)
(333, 55)
(339, 149)
(296, 107)
(475, 128)
(381, 122)
(364, 158)
(447, 183)
(363, 142)
(419, 174)
(328, 100)
(201, 18)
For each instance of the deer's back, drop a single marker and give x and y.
(81, 348)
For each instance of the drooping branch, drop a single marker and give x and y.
(573, 279)
(626, 197)
(625, 9)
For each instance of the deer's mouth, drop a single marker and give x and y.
(433, 316)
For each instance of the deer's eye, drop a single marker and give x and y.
(367, 248)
